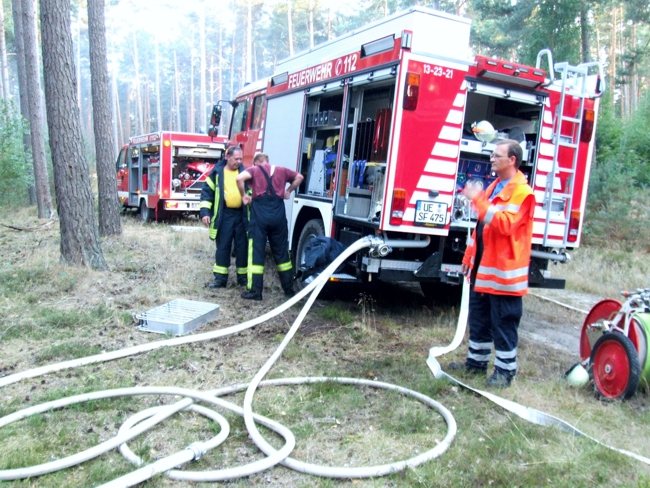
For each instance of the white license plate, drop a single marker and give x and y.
(430, 214)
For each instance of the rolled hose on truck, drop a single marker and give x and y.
(148, 418)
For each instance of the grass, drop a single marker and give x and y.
(51, 313)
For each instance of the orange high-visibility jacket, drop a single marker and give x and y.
(507, 235)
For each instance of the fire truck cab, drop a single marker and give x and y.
(163, 172)
(389, 122)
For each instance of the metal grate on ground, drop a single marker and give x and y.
(178, 317)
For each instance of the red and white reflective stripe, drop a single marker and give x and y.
(440, 171)
(544, 168)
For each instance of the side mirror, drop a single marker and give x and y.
(215, 119)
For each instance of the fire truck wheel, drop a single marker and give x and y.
(146, 213)
(437, 293)
(313, 228)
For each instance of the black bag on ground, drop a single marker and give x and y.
(319, 253)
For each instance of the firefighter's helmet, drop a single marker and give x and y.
(484, 131)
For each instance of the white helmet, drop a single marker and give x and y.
(484, 131)
(577, 376)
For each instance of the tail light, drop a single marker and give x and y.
(574, 226)
(171, 204)
(398, 206)
(411, 91)
(588, 117)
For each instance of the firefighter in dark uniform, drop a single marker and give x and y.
(222, 211)
(268, 220)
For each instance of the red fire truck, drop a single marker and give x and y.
(389, 122)
(163, 172)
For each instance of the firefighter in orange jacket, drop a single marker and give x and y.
(496, 262)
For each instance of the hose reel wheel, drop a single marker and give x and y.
(615, 367)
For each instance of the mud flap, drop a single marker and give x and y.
(431, 267)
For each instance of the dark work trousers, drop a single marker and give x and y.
(268, 221)
(494, 318)
(231, 227)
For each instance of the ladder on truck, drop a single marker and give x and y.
(573, 83)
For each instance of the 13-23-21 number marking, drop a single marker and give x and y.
(438, 71)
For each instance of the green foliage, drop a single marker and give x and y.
(519, 30)
(617, 205)
(15, 163)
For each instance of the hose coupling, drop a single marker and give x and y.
(378, 247)
(197, 449)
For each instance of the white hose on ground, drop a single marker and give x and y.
(530, 414)
(150, 417)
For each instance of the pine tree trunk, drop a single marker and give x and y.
(177, 89)
(612, 54)
(146, 106)
(35, 109)
(203, 112)
(136, 87)
(191, 110)
(17, 14)
(3, 58)
(75, 202)
(249, 43)
(584, 31)
(109, 209)
(634, 76)
(159, 121)
(129, 122)
(221, 63)
(311, 24)
(117, 117)
(290, 27)
(78, 61)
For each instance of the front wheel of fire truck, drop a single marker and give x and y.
(146, 213)
(313, 228)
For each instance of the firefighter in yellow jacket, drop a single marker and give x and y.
(496, 263)
(222, 211)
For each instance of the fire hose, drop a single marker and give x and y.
(145, 420)
(527, 413)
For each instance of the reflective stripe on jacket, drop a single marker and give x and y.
(507, 236)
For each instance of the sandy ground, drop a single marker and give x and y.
(555, 317)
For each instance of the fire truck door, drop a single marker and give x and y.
(282, 137)
(133, 168)
(238, 128)
(246, 130)
(121, 171)
(255, 134)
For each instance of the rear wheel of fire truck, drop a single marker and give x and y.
(313, 228)
(603, 310)
(438, 293)
(146, 213)
(615, 367)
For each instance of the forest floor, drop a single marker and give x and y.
(50, 313)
